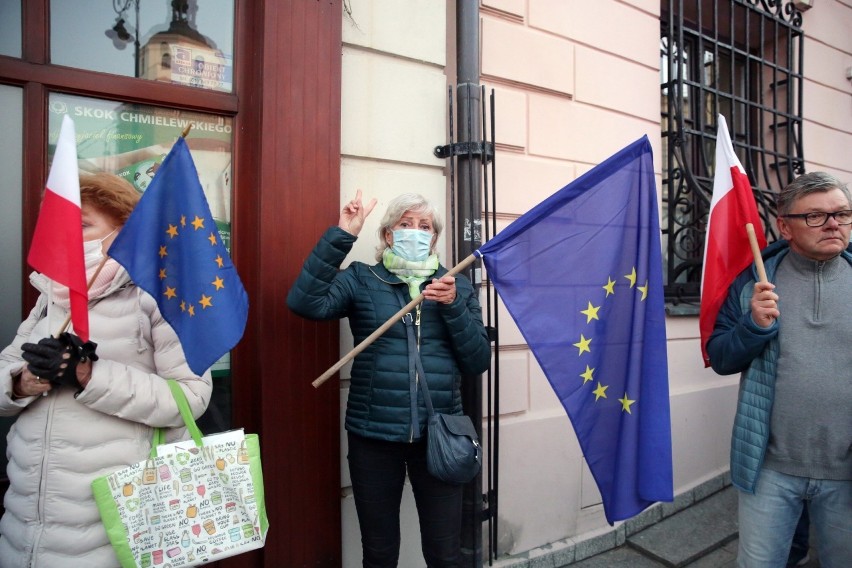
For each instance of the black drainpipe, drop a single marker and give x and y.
(469, 237)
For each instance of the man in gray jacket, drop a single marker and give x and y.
(790, 338)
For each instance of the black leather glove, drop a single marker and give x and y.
(56, 358)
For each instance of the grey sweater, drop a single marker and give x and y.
(811, 420)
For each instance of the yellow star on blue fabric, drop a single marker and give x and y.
(644, 290)
(631, 277)
(625, 403)
(609, 286)
(600, 392)
(591, 312)
(583, 344)
(587, 376)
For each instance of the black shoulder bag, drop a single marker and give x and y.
(453, 453)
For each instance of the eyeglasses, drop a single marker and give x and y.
(818, 218)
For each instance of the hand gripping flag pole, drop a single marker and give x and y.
(386, 326)
(726, 246)
(581, 275)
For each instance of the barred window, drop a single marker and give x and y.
(741, 59)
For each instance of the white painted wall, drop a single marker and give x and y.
(394, 113)
(575, 82)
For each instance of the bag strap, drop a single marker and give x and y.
(415, 364)
(185, 412)
(159, 437)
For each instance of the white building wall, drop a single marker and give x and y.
(575, 81)
(394, 93)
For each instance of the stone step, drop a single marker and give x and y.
(692, 533)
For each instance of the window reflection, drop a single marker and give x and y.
(185, 42)
(11, 153)
(131, 141)
(10, 28)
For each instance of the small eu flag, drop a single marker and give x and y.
(172, 249)
(581, 275)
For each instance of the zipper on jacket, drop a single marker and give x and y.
(416, 375)
(42, 484)
(818, 290)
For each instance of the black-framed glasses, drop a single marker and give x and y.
(818, 218)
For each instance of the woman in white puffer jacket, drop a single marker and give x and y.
(66, 436)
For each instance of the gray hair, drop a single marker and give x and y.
(806, 184)
(397, 208)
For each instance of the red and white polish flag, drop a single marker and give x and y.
(726, 248)
(57, 246)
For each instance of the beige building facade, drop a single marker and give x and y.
(574, 82)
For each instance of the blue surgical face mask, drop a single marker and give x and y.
(412, 244)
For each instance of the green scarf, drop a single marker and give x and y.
(412, 272)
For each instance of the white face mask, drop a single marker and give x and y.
(93, 251)
(412, 244)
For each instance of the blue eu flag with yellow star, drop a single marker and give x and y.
(581, 275)
(172, 249)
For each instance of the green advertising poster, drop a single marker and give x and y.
(131, 141)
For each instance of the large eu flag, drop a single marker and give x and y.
(172, 249)
(581, 274)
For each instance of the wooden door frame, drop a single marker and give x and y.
(286, 171)
(289, 167)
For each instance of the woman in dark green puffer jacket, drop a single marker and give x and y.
(386, 431)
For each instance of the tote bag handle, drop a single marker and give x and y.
(185, 413)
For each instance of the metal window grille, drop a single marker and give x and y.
(741, 59)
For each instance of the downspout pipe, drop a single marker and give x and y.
(468, 238)
(469, 166)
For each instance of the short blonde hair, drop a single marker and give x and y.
(109, 194)
(397, 208)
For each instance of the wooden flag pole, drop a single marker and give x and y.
(387, 325)
(88, 287)
(186, 130)
(755, 251)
